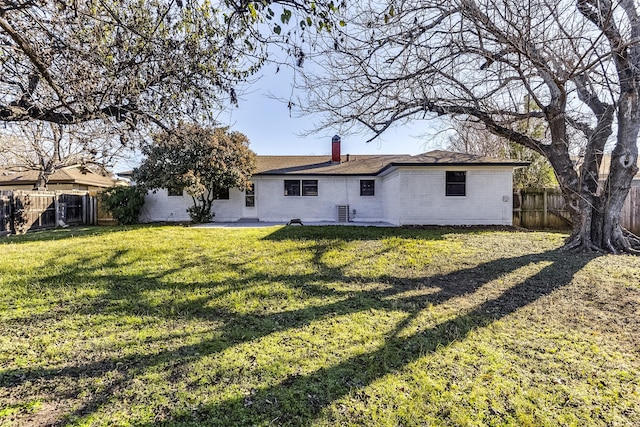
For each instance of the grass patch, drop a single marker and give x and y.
(315, 326)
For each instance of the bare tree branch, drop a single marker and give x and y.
(574, 68)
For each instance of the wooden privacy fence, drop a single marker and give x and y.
(544, 208)
(630, 216)
(540, 208)
(22, 211)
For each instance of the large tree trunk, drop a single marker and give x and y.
(596, 226)
(43, 176)
(597, 221)
(596, 217)
(48, 164)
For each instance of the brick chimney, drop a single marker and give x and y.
(335, 149)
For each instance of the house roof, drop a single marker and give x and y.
(68, 175)
(370, 164)
(606, 165)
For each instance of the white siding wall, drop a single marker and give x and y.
(159, 206)
(229, 210)
(404, 196)
(392, 210)
(273, 205)
(417, 196)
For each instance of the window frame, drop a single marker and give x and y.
(455, 183)
(250, 197)
(292, 187)
(367, 191)
(308, 186)
(222, 194)
(301, 188)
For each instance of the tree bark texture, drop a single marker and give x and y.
(571, 67)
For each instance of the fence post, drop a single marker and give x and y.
(545, 208)
(56, 206)
(517, 208)
(94, 210)
(85, 203)
(6, 213)
(12, 213)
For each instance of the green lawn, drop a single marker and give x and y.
(315, 326)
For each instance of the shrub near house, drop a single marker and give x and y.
(123, 203)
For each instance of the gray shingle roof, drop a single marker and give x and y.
(67, 175)
(370, 164)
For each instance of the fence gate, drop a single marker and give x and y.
(71, 208)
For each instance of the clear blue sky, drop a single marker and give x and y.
(272, 131)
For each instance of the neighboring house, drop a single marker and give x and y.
(67, 178)
(606, 165)
(438, 187)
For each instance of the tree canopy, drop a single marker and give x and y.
(71, 62)
(113, 67)
(473, 138)
(158, 61)
(201, 161)
(577, 62)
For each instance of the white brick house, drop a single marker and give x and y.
(434, 188)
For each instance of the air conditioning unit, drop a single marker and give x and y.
(342, 212)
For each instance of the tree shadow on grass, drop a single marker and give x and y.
(349, 233)
(298, 399)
